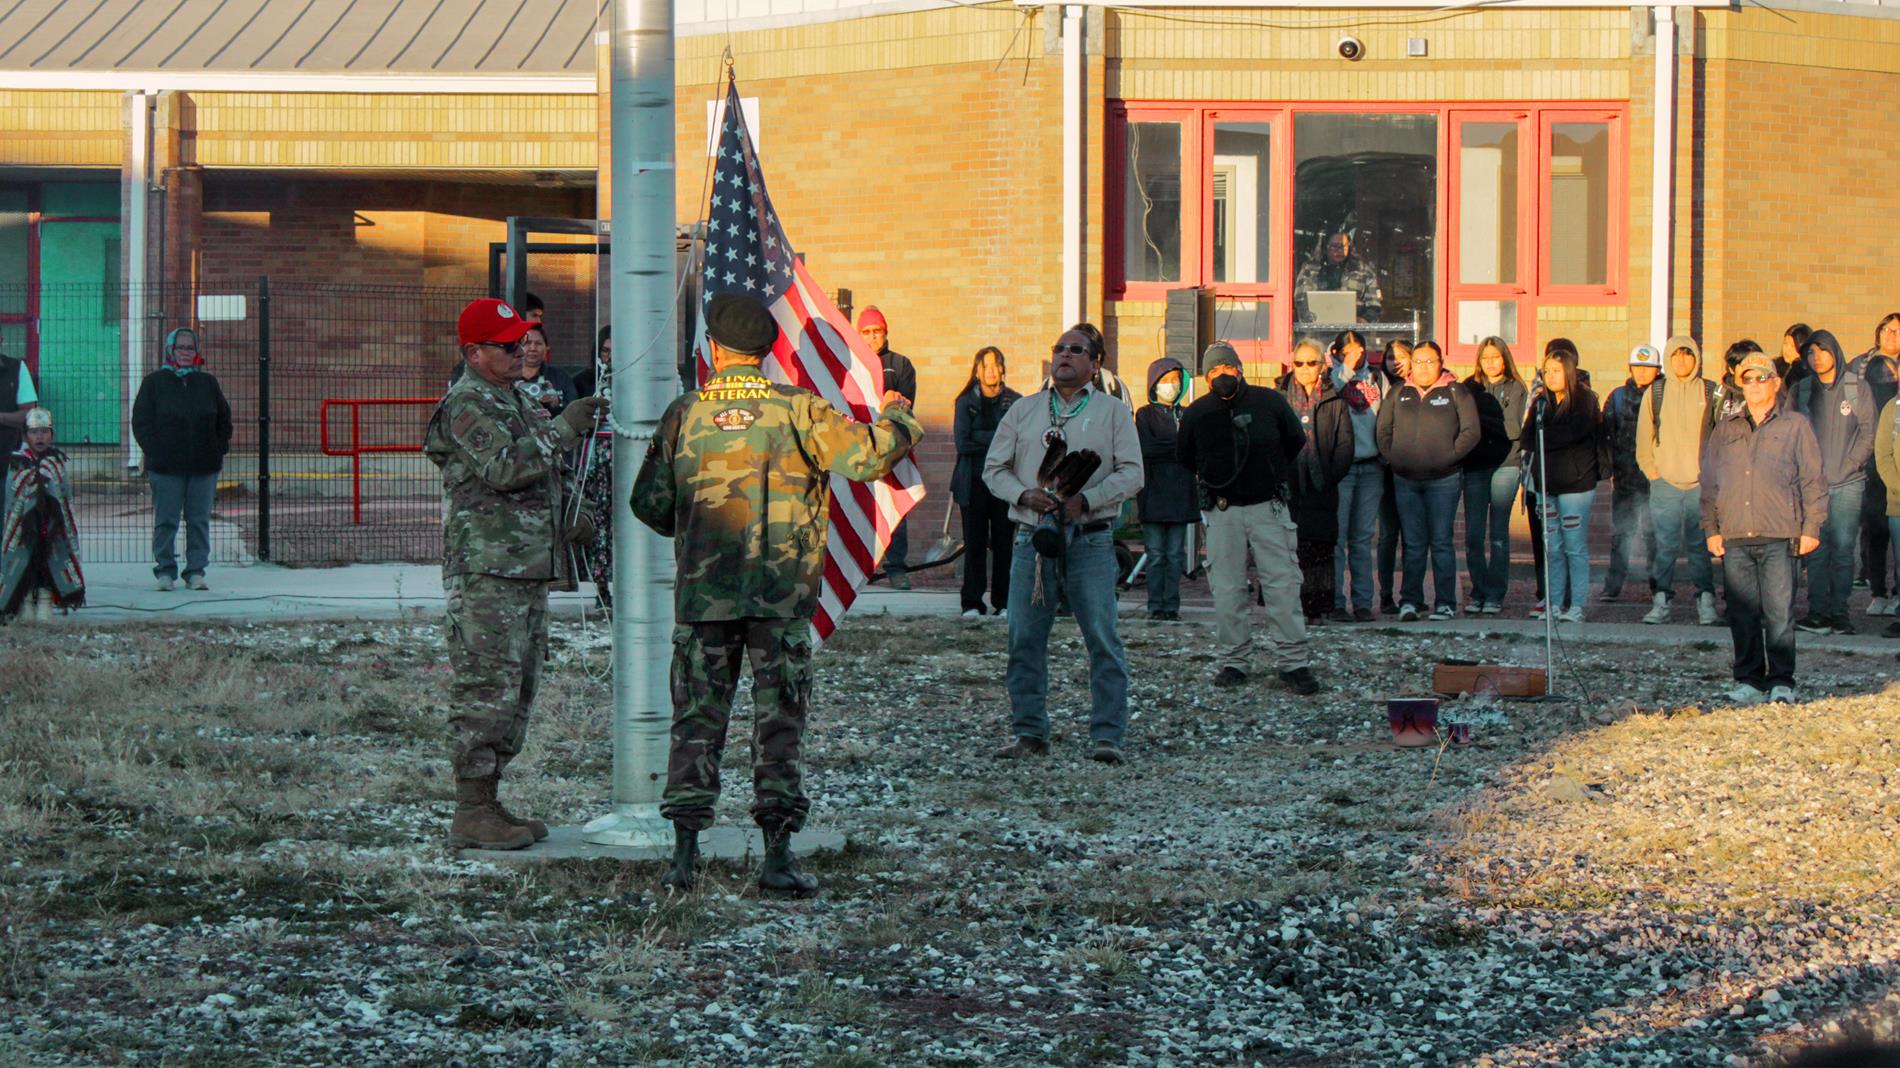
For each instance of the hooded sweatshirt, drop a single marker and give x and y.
(1842, 414)
(1669, 448)
(1167, 492)
(1424, 433)
(1361, 390)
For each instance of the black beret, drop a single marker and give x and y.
(740, 325)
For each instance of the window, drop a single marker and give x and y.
(1151, 204)
(1308, 218)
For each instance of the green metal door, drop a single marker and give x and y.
(79, 328)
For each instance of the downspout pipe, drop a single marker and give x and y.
(138, 178)
(1073, 208)
(1662, 225)
(644, 382)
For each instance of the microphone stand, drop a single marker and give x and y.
(1550, 599)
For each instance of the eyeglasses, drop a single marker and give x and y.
(1069, 350)
(1306, 363)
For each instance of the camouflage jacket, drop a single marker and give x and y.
(737, 475)
(1354, 274)
(502, 474)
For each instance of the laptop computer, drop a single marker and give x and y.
(1333, 305)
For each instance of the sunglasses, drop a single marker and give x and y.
(510, 348)
(1069, 350)
(1306, 363)
(1755, 378)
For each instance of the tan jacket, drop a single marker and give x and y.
(1887, 454)
(1674, 456)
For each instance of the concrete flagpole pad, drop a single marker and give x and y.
(717, 843)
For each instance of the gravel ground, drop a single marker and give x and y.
(228, 851)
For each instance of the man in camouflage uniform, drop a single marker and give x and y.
(738, 476)
(1338, 269)
(503, 541)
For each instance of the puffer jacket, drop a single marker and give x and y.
(1619, 426)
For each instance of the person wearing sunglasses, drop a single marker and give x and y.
(1241, 441)
(504, 529)
(1075, 414)
(1763, 501)
(1322, 463)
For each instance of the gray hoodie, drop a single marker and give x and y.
(1842, 414)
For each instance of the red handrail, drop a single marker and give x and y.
(357, 450)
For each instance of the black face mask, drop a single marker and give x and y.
(1226, 386)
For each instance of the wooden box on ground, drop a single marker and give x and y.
(1450, 680)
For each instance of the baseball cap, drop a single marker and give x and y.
(1645, 356)
(490, 320)
(1756, 361)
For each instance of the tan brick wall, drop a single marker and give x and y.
(377, 131)
(60, 129)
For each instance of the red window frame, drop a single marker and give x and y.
(1197, 119)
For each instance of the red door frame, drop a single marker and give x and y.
(34, 220)
(1522, 291)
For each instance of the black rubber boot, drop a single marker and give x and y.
(782, 875)
(684, 871)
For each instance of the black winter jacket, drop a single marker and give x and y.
(1842, 414)
(1620, 413)
(1241, 450)
(1496, 435)
(976, 421)
(1577, 457)
(1425, 434)
(1324, 459)
(1167, 489)
(183, 424)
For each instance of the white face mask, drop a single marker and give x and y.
(1166, 392)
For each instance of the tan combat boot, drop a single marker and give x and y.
(535, 827)
(477, 824)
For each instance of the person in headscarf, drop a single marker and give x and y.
(183, 424)
(39, 540)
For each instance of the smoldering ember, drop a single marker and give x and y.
(227, 849)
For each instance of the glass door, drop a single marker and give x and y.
(1493, 166)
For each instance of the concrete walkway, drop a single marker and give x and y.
(266, 593)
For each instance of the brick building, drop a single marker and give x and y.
(985, 173)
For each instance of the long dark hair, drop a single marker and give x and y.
(1504, 350)
(1002, 365)
(1347, 337)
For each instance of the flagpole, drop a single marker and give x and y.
(644, 381)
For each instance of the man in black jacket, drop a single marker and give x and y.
(1764, 498)
(900, 375)
(1841, 409)
(1241, 442)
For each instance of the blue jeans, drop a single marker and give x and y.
(1677, 516)
(1759, 583)
(897, 556)
(1089, 578)
(1489, 496)
(1166, 546)
(1567, 540)
(1427, 510)
(191, 496)
(1831, 567)
(1360, 493)
(1629, 516)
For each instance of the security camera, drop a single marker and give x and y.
(1350, 48)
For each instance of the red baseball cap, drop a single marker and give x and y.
(491, 320)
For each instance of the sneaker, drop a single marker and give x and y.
(166, 583)
(1315, 621)
(1815, 625)
(1573, 614)
(1340, 615)
(900, 580)
(1023, 748)
(196, 582)
(1301, 681)
(1387, 608)
(1003, 615)
(1230, 676)
(1364, 615)
(1783, 695)
(1537, 610)
(973, 613)
(1491, 608)
(1705, 609)
(1444, 612)
(1658, 608)
(1408, 613)
(1892, 631)
(1842, 625)
(1609, 594)
(1105, 752)
(1880, 606)
(1472, 608)
(1744, 694)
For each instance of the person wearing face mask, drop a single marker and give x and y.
(1427, 427)
(1166, 500)
(1323, 461)
(182, 423)
(1241, 442)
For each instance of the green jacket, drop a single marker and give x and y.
(738, 476)
(502, 475)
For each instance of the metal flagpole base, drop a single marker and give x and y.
(631, 827)
(625, 835)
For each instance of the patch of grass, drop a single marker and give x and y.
(837, 1004)
(424, 999)
(1108, 961)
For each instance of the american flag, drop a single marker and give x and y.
(747, 253)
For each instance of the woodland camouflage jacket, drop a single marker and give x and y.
(502, 472)
(737, 475)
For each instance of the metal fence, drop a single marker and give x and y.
(330, 387)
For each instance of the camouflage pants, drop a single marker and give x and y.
(706, 662)
(497, 631)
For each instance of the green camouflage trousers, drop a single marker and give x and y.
(706, 662)
(497, 631)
